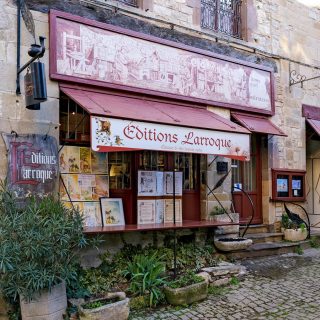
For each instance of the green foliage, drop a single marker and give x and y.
(217, 291)
(302, 226)
(185, 280)
(146, 275)
(99, 303)
(298, 250)
(95, 281)
(287, 223)
(217, 210)
(234, 281)
(314, 242)
(139, 302)
(39, 244)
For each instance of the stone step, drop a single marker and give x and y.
(268, 249)
(265, 237)
(256, 228)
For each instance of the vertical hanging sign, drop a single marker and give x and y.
(32, 164)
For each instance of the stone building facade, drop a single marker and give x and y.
(282, 35)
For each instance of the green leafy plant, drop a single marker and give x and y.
(303, 227)
(234, 281)
(298, 250)
(217, 210)
(39, 244)
(146, 276)
(314, 242)
(185, 280)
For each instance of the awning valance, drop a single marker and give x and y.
(258, 124)
(130, 123)
(315, 125)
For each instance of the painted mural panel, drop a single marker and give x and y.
(92, 53)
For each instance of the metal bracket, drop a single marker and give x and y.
(296, 78)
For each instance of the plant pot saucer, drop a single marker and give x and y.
(232, 244)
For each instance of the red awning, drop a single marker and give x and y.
(259, 124)
(115, 106)
(315, 125)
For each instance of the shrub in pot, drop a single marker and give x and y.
(187, 289)
(38, 254)
(292, 231)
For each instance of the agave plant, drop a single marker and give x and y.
(146, 276)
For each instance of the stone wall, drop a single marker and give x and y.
(13, 114)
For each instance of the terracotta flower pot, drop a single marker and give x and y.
(186, 295)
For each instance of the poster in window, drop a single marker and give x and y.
(99, 162)
(169, 212)
(296, 184)
(89, 210)
(85, 160)
(147, 183)
(101, 187)
(112, 211)
(86, 183)
(74, 187)
(168, 183)
(146, 211)
(282, 185)
(72, 159)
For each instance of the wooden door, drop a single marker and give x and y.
(248, 176)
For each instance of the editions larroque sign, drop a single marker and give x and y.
(108, 134)
(32, 164)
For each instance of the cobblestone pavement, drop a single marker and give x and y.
(281, 287)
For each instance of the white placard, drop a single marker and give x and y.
(108, 134)
(146, 211)
(168, 210)
(147, 183)
(168, 183)
(159, 211)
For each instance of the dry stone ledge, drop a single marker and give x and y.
(222, 274)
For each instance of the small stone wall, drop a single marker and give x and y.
(223, 273)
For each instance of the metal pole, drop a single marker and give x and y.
(174, 222)
(18, 91)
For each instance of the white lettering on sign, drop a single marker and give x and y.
(111, 134)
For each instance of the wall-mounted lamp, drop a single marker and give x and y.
(35, 79)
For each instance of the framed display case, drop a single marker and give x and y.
(288, 185)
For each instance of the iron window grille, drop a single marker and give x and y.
(222, 16)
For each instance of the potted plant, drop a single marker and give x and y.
(112, 306)
(40, 240)
(186, 289)
(291, 230)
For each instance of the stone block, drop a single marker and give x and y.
(221, 282)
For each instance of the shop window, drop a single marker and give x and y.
(132, 3)
(288, 185)
(188, 164)
(222, 16)
(74, 123)
(120, 170)
(152, 160)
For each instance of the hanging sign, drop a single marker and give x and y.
(109, 134)
(32, 164)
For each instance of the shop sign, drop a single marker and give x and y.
(32, 164)
(89, 52)
(109, 134)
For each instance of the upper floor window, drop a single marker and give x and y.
(222, 16)
(132, 3)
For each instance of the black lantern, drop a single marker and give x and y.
(35, 86)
